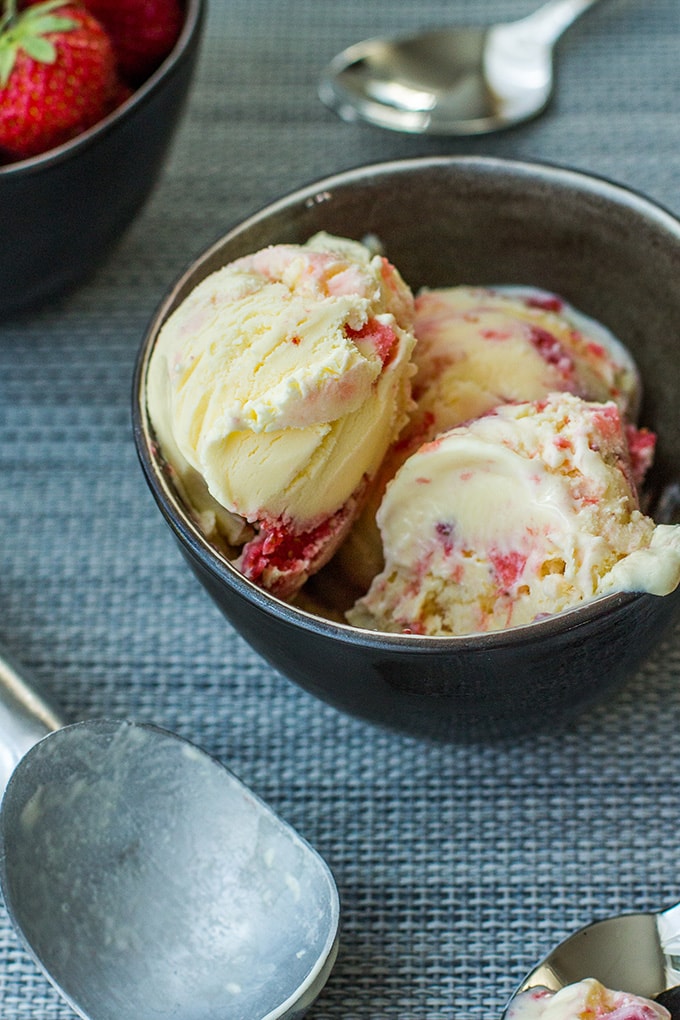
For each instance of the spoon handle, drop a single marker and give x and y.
(25, 718)
(551, 20)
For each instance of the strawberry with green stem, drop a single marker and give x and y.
(57, 75)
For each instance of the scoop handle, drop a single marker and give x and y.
(25, 718)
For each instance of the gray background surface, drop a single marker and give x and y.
(457, 865)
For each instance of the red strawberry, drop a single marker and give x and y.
(57, 76)
(142, 31)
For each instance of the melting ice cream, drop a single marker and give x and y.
(525, 511)
(482, 476)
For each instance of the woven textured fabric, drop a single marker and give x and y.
(458, 866)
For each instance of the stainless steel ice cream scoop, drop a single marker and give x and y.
(637, 952)
(452, 81)
(147, 881)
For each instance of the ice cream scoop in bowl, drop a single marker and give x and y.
(446, 221)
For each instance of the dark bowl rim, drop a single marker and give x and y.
(194, 15)
(313, 190)
(187, 532)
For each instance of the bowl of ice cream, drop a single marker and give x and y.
(413, 429)
(64, 209)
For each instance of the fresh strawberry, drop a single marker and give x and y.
(57, 76)
(142, 31)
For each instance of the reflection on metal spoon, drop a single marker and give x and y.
(455, 81)
(638, 953)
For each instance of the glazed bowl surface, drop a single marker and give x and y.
(62, 212)
(442, 221)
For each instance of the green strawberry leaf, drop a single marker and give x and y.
(27, 32)
(39, 48)
(46, 23)
(6, 64)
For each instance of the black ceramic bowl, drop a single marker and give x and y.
(443, 221)
(61, 212)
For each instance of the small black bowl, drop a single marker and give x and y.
(443, 221)
(61, 212)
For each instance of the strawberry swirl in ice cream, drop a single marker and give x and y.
(478, 347)
(583, 1000)
(469, 459)
(523, 512)
(275, 389)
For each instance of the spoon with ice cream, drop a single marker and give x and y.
(627, 966)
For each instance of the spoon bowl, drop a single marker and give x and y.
(636, 952)
(147, 881)
(453, 81)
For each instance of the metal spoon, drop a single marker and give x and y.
(455, 81)
(147, 881)
(638, 953)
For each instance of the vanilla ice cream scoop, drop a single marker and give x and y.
(478, 347)
(583, 1000)
(526, 511)
(275, 389)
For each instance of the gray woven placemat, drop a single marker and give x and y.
(457, 865)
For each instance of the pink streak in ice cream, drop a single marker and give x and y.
(275, 389)
(524, 512)
(478, 347)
